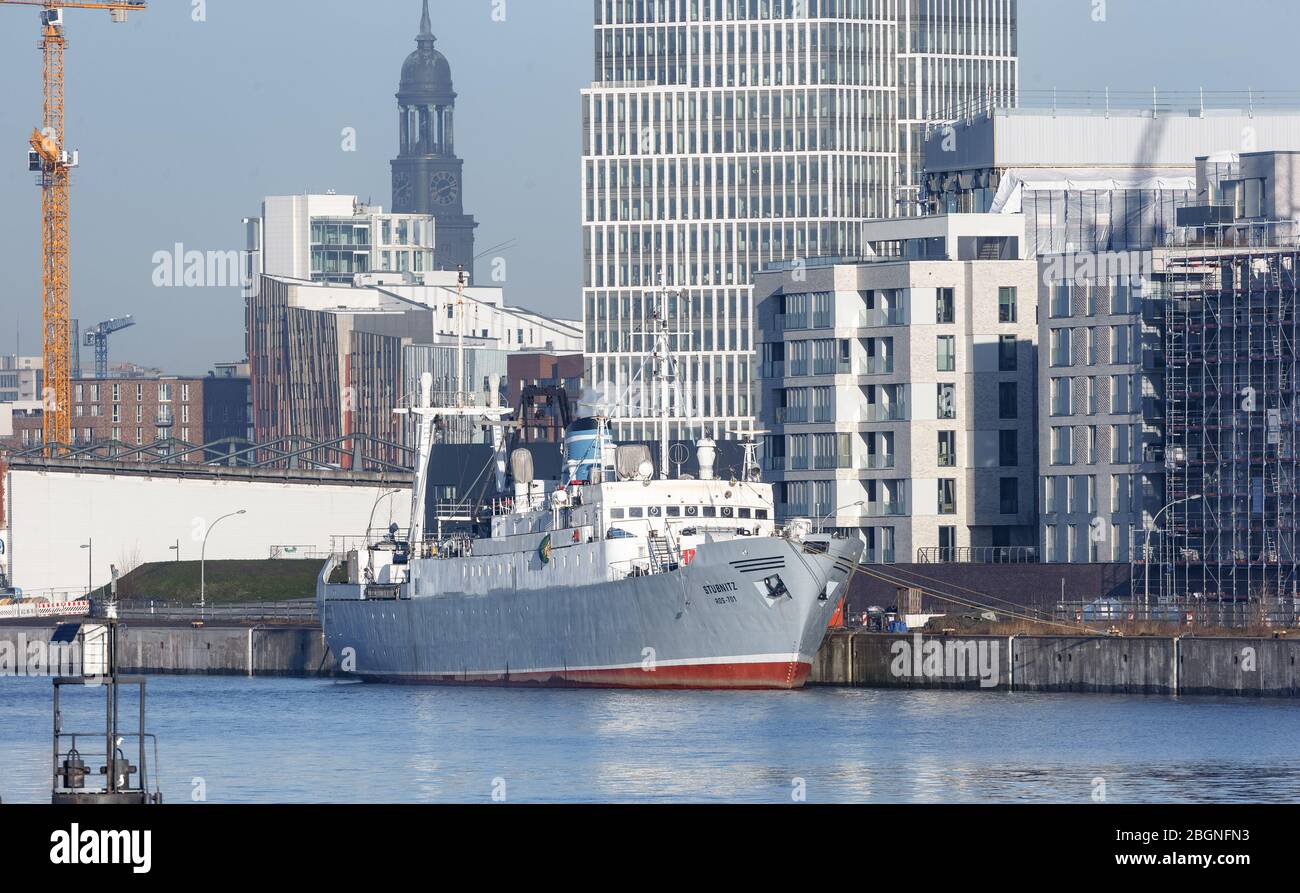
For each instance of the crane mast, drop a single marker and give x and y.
(51, 159)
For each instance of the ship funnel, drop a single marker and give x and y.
(584, 444)
(706, 452)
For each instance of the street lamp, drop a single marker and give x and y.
(177, 549)
(821, 525)
(1146, 552)
(203, 557)
(370, 525)
(89, 546)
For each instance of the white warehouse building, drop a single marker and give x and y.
(127, 517)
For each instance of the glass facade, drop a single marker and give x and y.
(721, 136)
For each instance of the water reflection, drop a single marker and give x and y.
(308, 741)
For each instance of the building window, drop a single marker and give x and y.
(947, 449)
(947, 402)
(1062, 446)
(1060, 394)
(946, 353)
(1009, 496)
(1060, 300)
(1006, 305)
(1008, 400)
(1060, 347)
(947, 496)
(1007, 353)
(944, 310)
(1008, 449)
(947, 540)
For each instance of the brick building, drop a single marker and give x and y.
(544, 370)
(136, 412)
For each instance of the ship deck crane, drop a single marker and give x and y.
(98, 339)
(53, 161)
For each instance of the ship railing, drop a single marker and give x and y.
(633, 567)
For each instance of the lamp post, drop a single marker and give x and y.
(89, 546)
(370, 525)
(1146, 552)
(203, 557)
(821, 525)
(177, 549)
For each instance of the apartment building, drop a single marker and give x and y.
(899, 389)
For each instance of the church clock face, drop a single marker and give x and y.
(443, 188)
(402, 189)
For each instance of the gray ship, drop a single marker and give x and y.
(623, 577)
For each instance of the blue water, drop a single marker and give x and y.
(288, 741)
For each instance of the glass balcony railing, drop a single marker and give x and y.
(877, 461)
(833, 367)
(877, 366)
(880, 412)
(894, 316)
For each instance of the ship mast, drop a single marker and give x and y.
(664, 364)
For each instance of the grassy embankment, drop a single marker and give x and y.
(228, 582)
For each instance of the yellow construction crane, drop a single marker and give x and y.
(51, 158)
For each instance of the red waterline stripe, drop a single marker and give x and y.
(778, 675)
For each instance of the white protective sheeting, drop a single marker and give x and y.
(1016, 181)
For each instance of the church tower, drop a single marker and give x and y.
(427, 175)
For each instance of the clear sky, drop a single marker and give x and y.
(184, 125)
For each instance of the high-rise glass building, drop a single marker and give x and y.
(721, 136)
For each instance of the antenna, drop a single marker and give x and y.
(678, 454)
(749, 443)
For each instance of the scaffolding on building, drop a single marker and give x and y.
(1226, 550)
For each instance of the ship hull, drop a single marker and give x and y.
(745, 614)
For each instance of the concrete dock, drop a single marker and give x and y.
(1151, 665)
(1154, 665)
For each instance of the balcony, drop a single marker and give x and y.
(881, 412)
(879, 461)
(877, 366)
(787, 322)
(879, 317)
(791, 415)
(883, 510)
(833, 367)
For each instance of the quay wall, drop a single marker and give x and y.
(1187, 665)
(1154, 665)
(230, 650)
